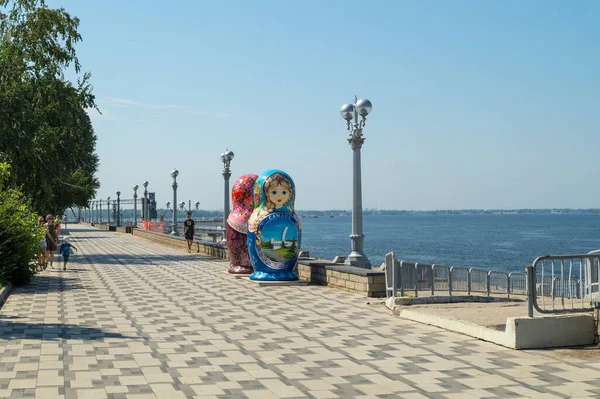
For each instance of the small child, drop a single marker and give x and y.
(65, 251)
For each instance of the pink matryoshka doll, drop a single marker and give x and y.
(237, 225)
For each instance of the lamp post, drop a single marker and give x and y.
(135, 188)
(360, 108)
(97, 211)
(226, 157)
(96, 208)
(118, 209)
(108, 211)
(182, 205)
(100, 211)
(145, 184)
(197, 204)
(174, 175)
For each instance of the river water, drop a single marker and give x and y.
(498, 242)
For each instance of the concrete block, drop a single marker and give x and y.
(521, 332)
(550, 331)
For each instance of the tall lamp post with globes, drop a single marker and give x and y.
(108, 211)
(226, 157)
(174, 175)
(135, 196)
(360, 108)
(145, 216)
(118, 209)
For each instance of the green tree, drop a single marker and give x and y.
(45, 131)
(19, 234)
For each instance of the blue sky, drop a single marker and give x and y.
(476, 104)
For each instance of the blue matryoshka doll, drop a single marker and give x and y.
(274, 229)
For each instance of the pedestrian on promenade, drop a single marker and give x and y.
(65, 250)
(51, 238)
(42, 250)
(189, 227)
(65, 221)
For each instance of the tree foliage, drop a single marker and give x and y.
(45, 131)
(19, 234)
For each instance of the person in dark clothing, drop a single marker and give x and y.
(189, 227)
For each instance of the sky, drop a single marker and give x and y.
(476, 104)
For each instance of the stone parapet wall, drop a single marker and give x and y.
(361, 281)
(208, 248)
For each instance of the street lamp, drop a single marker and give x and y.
(360, 107)
(182, 205)
(174, 175)
(145, 184)
(135, 188)
(197, 204)
(226, 157)
(108, 211)
(168, 204)
(100, 212)
(118, 209)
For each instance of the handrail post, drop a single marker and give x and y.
(416, 276)
(530, 289)
(400, 281)
(487, 282)
(450, 281)
(508, 285)
(433, 280)
(469, 282)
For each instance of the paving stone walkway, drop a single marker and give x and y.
(130, 319)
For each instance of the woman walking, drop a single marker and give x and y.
(42, 250)
(51, 238)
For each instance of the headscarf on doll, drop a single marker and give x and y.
(242, 203)
(273, 190)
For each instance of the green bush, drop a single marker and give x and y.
(19, 235)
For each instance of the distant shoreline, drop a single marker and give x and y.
(334, 213)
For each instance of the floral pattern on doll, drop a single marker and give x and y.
(242, 202)
(275, 191)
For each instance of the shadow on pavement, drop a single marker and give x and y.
(142, 259)
(53, 332)
(47, 283)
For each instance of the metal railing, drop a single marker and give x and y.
(564, 283)
(403, 276)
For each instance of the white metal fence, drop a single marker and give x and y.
(431, 279)
(564, 283)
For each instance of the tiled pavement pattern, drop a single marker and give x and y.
(132, 319)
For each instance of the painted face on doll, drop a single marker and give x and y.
(279, 194)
